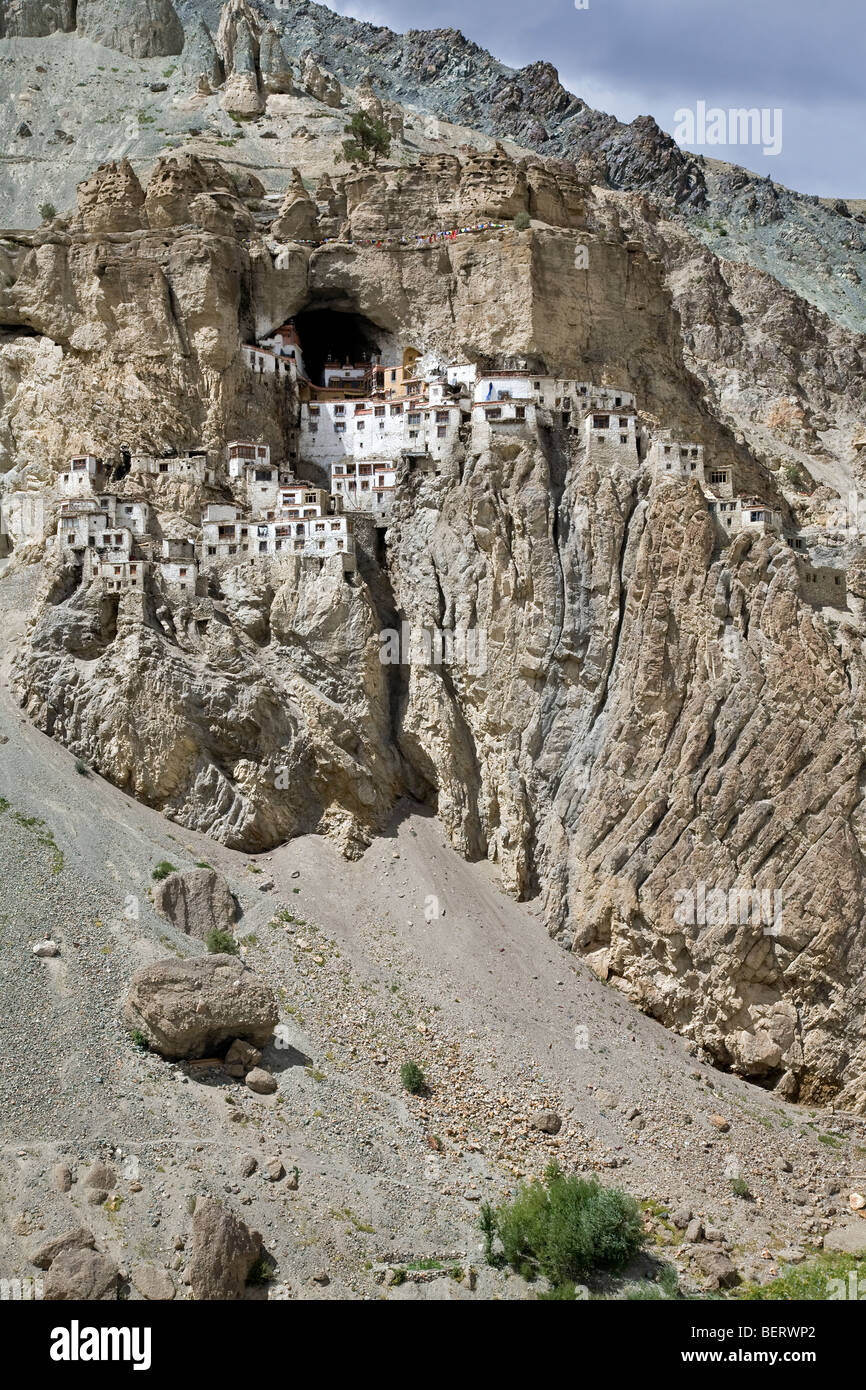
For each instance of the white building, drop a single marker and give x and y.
(611, 438)
(744, 513)
(367, 487)
(241, 452)
(315, 536)
(506, 416)
(84, 476)
(115, 570)
(671, 461)
(192, 467)
(375, 430)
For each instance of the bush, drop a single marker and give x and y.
(163, 869)
(221, 943)
(262, 1272)
(413, 1078)
(81, 768)
(740, 1187)
(521, 222)
(139, 1039)
(563, 1228)
(47, 211)
(369, 140)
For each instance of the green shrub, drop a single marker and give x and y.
(369, 140)
(163, 869)
(563, 1228)
(740, 1187)
(413, 1078)
(521, 222)
(47, 211)
(81, 768)
(139, 1039)
(221, 943)
(262, 1272)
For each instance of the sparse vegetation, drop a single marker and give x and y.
(740, 1187)
(139, 1039)
(827, 1276)
(163, 869)
(369, 140)
(521, 222)
(221, 943)
(413, 1078)
(47, 211)
(81, 768)
(262, 1272)
(563, 1229)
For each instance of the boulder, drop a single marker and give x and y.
(241, 1058)
(101, 1175)
(547, 1121)
(153, 1283)
(719, 1269)
(80, 1275)
(79, 1239)
(222, 1254)
(196, 901)
(261, 1081)
(190, 1008)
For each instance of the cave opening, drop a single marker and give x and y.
(333, 335)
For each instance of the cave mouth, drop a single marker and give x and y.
(336, 335)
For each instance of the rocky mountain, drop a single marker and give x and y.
(632, 813)
(813, 246)
(655, 711)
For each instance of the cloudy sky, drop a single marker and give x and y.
(656, 57)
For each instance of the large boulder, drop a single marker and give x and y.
(196, 901)
(223, 1251)
(79, 1239)
(189, 1008)
(80, 1275)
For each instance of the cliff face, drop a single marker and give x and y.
(652, 712)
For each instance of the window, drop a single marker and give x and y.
(414, 418)
(600, 422)
(536, 385)
(339, 410)
(396, 410)
(379, 410)
(340, 427)
(359, 424)
(719, 476)
(520, 412)
(211, 550)
(623, 439)
(442, 417)
(441, 431)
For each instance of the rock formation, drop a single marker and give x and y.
(187, 1008)
(139, 28)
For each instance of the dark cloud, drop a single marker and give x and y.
(631, 57)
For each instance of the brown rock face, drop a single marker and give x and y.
(79, 1239)
(187, 1008)
(81, 1275)
(222, 1253)
(111, 201)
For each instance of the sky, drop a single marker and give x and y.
(663, 57)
